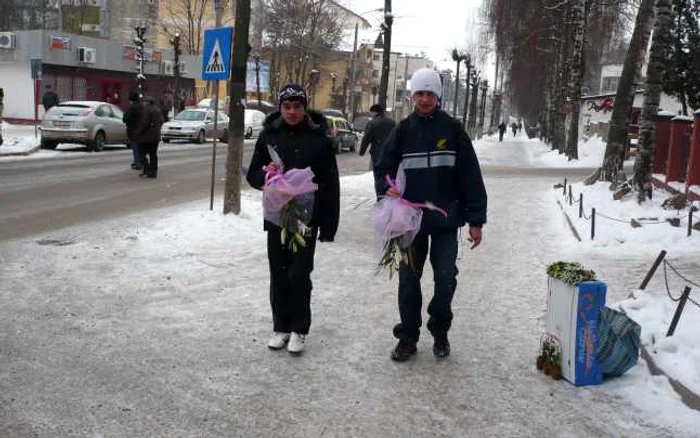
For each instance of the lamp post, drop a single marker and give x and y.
(468, 62)
(314, 76)
(256, 57)
(139, 42)
(333, 78)
(175, 41)
(476, 76)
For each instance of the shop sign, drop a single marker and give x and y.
(60, 43)
(149, 55)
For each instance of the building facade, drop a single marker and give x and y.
(81, 68)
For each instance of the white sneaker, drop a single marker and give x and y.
(296, 343)
(278, 340)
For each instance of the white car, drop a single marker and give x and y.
(195, 124)
(253, 122)
(92, 123)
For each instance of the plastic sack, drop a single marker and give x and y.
(281, 187)
(618, 342)
(395, 217)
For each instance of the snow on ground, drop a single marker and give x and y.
(590, 154)
(18, 139)
(172, 246)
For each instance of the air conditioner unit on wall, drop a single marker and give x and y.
(183, 68)
(7, 40)
(87, 55)
(168, 67)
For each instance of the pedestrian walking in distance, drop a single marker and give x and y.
(441, 167)
(376, 133)
(299, 138)
(149, 137)
(132, 120)
(50, 98)
(501, 130)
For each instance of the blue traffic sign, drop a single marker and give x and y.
(216, 58)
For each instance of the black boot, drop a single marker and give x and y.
(441, 347)
(403, 350)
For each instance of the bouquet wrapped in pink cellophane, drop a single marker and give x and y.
(396, 223)
(288, 200)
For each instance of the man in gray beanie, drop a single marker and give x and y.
(441, 167)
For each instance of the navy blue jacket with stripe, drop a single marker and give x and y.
(441, 167)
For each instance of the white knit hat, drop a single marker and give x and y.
(426, 79)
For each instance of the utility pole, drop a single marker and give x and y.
(386, 60)
(351, 109)
(234, 161)
(176, 72)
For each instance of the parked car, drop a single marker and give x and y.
(265, 107)
(330, 112)
(195, 124)
(91, 123)
(360, 123)
(208, 103)
(253, 121)
(342, 135)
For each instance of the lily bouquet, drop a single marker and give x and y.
(288, 200)
(396, 222)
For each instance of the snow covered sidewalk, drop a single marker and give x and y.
(156, 325)
(18, 140)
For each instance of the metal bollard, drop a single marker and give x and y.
(690, 222)
(580, 205)
(592, 223)
(571, 197)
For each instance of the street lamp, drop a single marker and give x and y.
(256, 57)
(334, 76)
(314, 76)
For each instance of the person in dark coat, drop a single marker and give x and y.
(376, 132)
(441, 167)
(149, 137)
(132, 120)
(300, 139)
(514, 127)
(501, 130)
(50, 99)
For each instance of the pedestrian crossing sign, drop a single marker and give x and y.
(216, 59)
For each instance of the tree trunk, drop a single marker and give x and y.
(232, 189)
(576, 78)
(624, 99)
(652, 92)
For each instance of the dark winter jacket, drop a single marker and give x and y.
(132, 120)
(49, 99)
(441, 167)
(151, 122)
(376, 132)
(300, 146)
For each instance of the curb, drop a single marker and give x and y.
(688, 397)
(19, 154)
(571, 224)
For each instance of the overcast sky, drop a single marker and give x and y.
(434, 27)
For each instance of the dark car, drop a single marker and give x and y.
(361, 122)
(343, 137)
(265, 107)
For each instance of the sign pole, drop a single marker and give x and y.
(213, 149)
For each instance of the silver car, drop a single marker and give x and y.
(91, 123)
(195, 124)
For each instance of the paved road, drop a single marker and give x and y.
(40, 194)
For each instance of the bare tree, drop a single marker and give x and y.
(189, 19)
(652, 92)
(297, 32)
(624, 98)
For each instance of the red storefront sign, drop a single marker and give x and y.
(149, 55)
(60, 43)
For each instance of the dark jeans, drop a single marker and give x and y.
(500, 135)
(290, 282)
(149, 158)
(134, 145)
(443, 258)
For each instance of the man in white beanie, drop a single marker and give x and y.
(441, 167)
